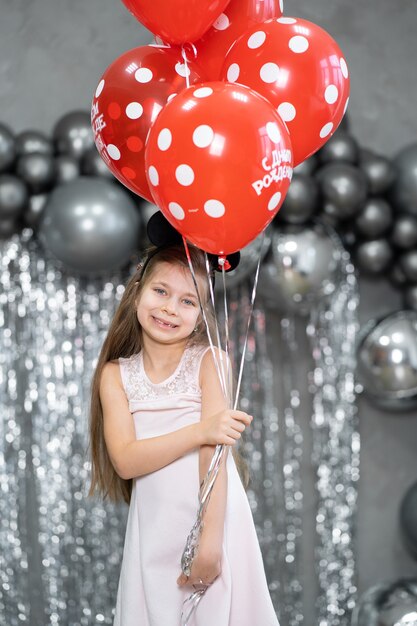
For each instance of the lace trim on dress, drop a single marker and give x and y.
(185, 379)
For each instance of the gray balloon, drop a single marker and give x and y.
(307, 167)
(13, 196)
(91, 225)
(404, 191)
(410, 297)
(408, 519)
(34, 210)
(344, 188)
(340, 147)
(302, 268)
(374, 219)
(379, 171)
(373, 257)
(67, 168)
(93, 165)
(72, 133)
(387, 361)
(300, 201)
(7, 148)
(37, 170)
(387, 604)
(33, 141)
(408, 262)
(404, 231)
(249, 257)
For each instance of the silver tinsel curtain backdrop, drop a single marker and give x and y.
(60, 552)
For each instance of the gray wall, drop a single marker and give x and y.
(52, 53)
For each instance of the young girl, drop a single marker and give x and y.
(157, 413)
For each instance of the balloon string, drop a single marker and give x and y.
(190, 604)
(245, 343)
(187, 71)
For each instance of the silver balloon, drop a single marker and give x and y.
(308, 166)
(8, 227)
(388, 604)
(67, 168)
(373, 257)
(375, 218)
(93, 165)
(404, 231)
(38, 170)
(13, 196)
(340, 147)
(72, 133)
(404, 191)
(379, 171)
(387, 361)
(410, 297)
(408, 262)
(344, 188)
(301, 200)
(249, 257)
(33, 141)
(301, 269)
(34, 210)
(91, 225)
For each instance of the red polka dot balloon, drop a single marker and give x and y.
(128, 99)
(219, 163)
(238, 16)
(301, 70)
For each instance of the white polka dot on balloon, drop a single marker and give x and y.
(100, 87)
(113, 151)
(269, 72)
(344, 67)
(214, 208)
(346, 106)
(153, 176)
(273, 133)
(176, 210)
(274, 201)
(143, 75)
(331, 94)
(233, 73)
(184, 175)
(203, 92)
(256, 39)
(203, 136)
(287, 111)
(222, 22)
(134, 110)
(286, 20)
(164, 139)
(171, 97)
(298, 44)
(182, 69)
(326, 130)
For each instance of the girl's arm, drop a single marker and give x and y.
(133, 457)
(212, 401)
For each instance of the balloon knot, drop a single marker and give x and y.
(223, 262)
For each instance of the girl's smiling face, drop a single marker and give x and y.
(168, 309)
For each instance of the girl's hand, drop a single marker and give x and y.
(206, 567)
(225, 427)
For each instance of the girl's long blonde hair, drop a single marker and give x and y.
(124, 339)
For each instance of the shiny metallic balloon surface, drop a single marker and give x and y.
(91, 225)
(388, 604)
(387, 361)
(302, 268)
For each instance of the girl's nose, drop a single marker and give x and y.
(170, 308)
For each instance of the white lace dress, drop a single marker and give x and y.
(163, 509)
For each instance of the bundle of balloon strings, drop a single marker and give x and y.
(222, 363)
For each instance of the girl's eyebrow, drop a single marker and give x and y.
(160, 282)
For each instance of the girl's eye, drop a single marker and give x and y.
(189, 302)
(159, 290)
